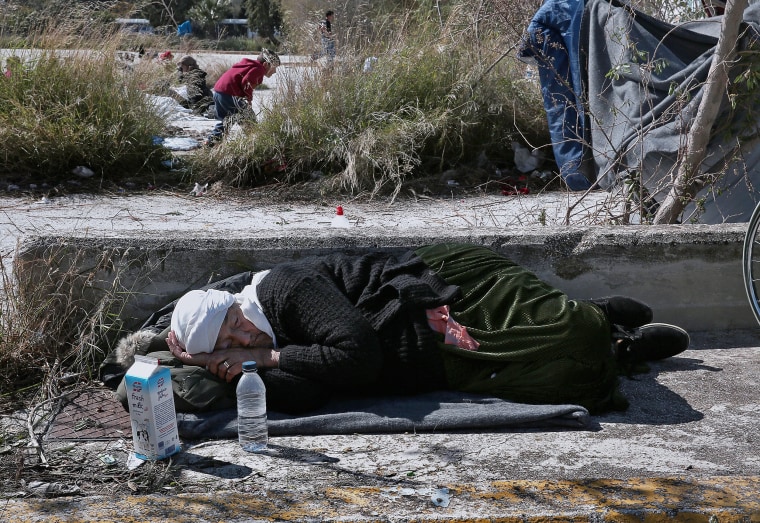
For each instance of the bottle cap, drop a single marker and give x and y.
(249, 365)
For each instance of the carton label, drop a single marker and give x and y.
(151, 409)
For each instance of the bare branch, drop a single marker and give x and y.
(687, 183)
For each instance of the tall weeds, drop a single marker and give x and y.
(55, 319)
(61, 109)
(435, 97)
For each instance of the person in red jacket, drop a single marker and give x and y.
(238, 83)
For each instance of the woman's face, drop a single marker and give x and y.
(237, 331)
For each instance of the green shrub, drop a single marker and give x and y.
(65, 109)
(433, 99)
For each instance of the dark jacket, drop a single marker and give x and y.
(199, 96)
(352, 324)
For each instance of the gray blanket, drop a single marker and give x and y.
(438, 411)
(645, 80)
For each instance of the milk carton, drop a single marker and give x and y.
(151, 409)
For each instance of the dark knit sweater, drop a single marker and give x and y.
(352, 324)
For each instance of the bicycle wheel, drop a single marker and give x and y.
(751, 262)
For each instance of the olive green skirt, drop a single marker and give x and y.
(536, 345)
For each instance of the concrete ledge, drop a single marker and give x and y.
(690, 274)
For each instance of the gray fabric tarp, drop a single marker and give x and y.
(435, 411)
(645, 80)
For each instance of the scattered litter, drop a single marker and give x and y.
(181, 143)
(50, 490)
(440, 497)
(452, 183)
(369, 63)
(340, 220)
(525, 159)
(85, 423)
(44, 200)
(199, 189)
(13, 187)
(172, 163)
(82, 171)
(512, 185)
(512, 191)
(108, 460)
(133, 461)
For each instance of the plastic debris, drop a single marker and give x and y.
(82, 171)
(108, 460)
(369, 63)
(181, 143)
(173, 163)
(440, 497)
(199, 189)
(525, 159)
(51, 490)
(340, 220)
(513, 191)
(133, 461)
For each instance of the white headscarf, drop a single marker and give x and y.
(197, 318)
(251, 306)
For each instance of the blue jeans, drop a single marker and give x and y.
(328, 46)
(225, 105)
(553, 43)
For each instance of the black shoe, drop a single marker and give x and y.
(624, 311)
(655, 341)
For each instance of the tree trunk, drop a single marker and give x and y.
(687, 183)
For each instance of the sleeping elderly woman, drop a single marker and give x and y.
(450, 316)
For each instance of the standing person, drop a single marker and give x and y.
(237, 84)
(449, 316)
(327, 36)
(199, 96)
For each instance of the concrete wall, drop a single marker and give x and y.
(690, 274)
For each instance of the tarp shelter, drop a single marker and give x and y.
(621, 90)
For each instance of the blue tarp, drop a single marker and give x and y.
(185, 28)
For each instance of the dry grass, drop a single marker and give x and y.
(435, 98)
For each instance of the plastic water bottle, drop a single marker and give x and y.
(340, 220)
(252, 409)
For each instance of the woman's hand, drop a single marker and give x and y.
(224, 363)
